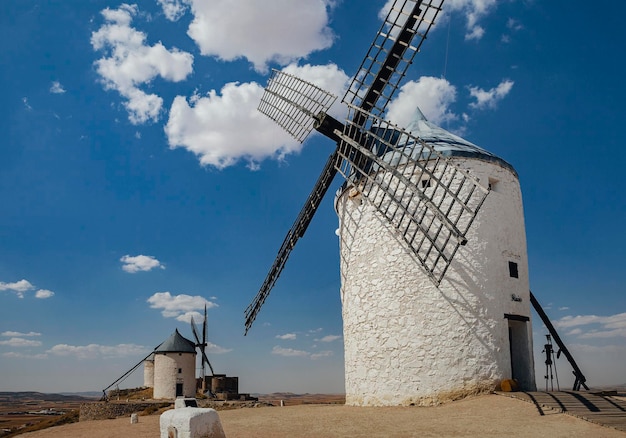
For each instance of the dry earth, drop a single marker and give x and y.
(483, 416)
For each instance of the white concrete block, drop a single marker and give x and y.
(191, 423)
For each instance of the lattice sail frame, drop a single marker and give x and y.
(293, 103)
(385, 65)
(430, 200)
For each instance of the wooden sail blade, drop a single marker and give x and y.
(293, 103)
(296, 232)
(428, 199)
(399, 39)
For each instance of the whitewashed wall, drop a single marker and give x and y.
(410, 342)
(166, 374)
(148, 373)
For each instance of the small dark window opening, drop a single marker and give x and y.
(513, 270)
(493, 184)
(180, 370)
(425, 183)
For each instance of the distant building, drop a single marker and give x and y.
(148, 371)
(170, 369)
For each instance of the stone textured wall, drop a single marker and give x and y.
(107, 410)
(166, 374)
(408, 341)
(148, 373)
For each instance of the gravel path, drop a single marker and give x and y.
(483, 416)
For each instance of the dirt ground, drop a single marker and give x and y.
(483, 416)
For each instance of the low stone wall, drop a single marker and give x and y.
(108, 410)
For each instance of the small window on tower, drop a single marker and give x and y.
(425, 183)
(513, 270)
(493, 184)
(180, 370)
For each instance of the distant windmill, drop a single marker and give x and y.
(201, 345)
(435, 296)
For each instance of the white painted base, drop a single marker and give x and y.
(191, 423)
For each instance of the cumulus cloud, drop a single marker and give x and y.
(319, 355)
(433, 96)
(173, 9)
(216, 349)
(133, 264)
(20, 334)
(289, 352)
(330, 338)
(287, 337)
(129, 62)
(16, 355)
(474, 11)
(18, 287)
(95, 351)
(181, 307)
(250, 29)
(490, 98)
(21, 342)
(57, 88)
(210, 126)
(613, 326)
(44, 293)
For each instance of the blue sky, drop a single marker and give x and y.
(138, 182)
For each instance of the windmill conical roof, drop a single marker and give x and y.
(447, 143)
(176, 344)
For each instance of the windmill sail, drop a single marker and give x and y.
(299, 106)
(429, 199)
(391, 54)
(202, 344)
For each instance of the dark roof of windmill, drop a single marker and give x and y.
(446, 143)
(176, 344)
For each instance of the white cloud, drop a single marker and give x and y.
(176, 306)
(26, 104)
(474, 11)
(216, 349)
(133, 264)
(44, 293)
(173, 9)
(19, 287)
(289, 352)
(321, 354)
(330, 338)
(186, 317)
(21, 342)
(514, 25)
(57, 88)
(15, 355)
(490, 98)
(603, 327)
(250, 29)
(563, 308)
(287, 336)
(129, 63)
(211, 126)
(20, 334)
(93, 351)
(433, 96)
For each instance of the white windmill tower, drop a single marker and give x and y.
(175, 368)
(435, 292)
